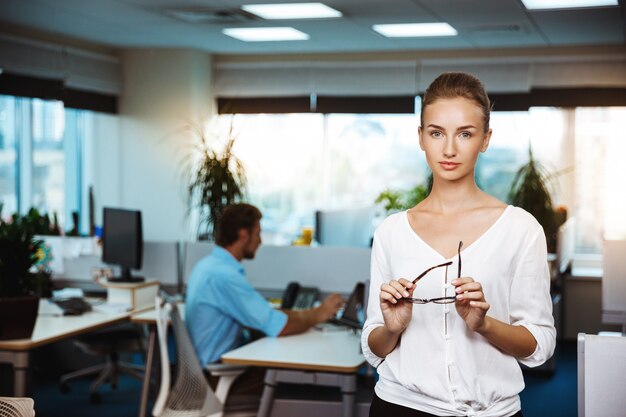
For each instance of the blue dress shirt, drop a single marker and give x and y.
(220, 301)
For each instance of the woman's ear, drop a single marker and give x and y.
(486, 140)
(419, 133)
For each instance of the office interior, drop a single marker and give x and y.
(323, 126)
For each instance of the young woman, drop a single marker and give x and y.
(459, 283)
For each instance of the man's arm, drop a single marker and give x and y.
(299, 321)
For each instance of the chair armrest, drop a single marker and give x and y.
(225, 369)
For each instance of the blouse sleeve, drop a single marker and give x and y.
(531, 303)
(379, 273)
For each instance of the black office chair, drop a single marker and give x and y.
(125, 338)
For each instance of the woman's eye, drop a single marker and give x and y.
(436, 134)
(466, 135)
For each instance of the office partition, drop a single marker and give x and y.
(192, 253)
(161, 262)
(328, 268)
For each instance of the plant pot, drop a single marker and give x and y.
(18, 316)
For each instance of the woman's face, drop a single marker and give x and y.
(452, 135)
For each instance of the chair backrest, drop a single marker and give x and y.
(601, 375)
(17, 407)
(191, 395)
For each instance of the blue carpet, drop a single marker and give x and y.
(556, 394)
(553, 395)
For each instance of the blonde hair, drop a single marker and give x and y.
(458, 84)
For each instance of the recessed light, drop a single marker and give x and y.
(266, 34)
(566, 4)
(415, 30)
(292, 11)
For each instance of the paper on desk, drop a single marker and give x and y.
(109, 307)
(68, 293)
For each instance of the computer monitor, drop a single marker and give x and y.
(122, 242)
(351, 315)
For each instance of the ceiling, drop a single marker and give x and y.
(484, 24)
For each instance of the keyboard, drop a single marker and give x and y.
(73, 306)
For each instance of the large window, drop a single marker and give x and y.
(299, 163)
(40, 157)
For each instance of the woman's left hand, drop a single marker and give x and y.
(470, 302)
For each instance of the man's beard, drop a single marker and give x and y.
(248, 254)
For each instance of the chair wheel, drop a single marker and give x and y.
(64, 387)
(95, 398)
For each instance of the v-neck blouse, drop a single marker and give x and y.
(440, 366)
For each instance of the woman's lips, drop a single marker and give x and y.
(449, 166)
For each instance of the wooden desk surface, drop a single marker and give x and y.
(51, 327)
(335, 350)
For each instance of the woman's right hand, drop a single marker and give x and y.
(396, 312)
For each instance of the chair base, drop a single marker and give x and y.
(107, 372)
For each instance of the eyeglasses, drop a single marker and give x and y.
(439, 300)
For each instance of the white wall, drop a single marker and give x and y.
(162, 89)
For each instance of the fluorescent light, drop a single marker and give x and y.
(266, 34)
(292, 11)
(566, 4)
(415, 30)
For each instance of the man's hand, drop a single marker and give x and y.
(329, 307)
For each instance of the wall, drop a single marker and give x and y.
(162, 90)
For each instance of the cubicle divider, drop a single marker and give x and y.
(161, 261)
(192, 253)
(331, 269)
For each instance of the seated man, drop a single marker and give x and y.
(221, 302)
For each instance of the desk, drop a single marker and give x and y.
(50, 328)
(333, 356)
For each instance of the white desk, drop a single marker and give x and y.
(333, 357)
(50, 327)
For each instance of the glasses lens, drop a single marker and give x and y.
(444, 300)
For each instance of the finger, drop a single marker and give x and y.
(406, 283)
(388, 289)
(401, 289)
(483, 305)
(462, 280)
(386, 297)
(472, 286)
(475, 296)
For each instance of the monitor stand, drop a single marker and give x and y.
(126, 277)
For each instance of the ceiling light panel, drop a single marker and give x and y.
(266, 34)
(292, 11)
(415, 30)
(566, 4)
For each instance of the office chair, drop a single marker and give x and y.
(191, 395)
(108, 343)
(601, 375)
(17, 407)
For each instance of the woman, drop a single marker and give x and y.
(448, 343)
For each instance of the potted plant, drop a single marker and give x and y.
(395, 200)
(214, 179)
(530, 192)
(19, 301)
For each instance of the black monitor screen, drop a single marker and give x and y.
(122, 241)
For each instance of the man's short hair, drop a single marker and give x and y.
(234, 218)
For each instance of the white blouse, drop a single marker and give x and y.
(440, 366)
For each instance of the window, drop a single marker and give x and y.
(8, 155)
(41, 157)
(299, 163)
